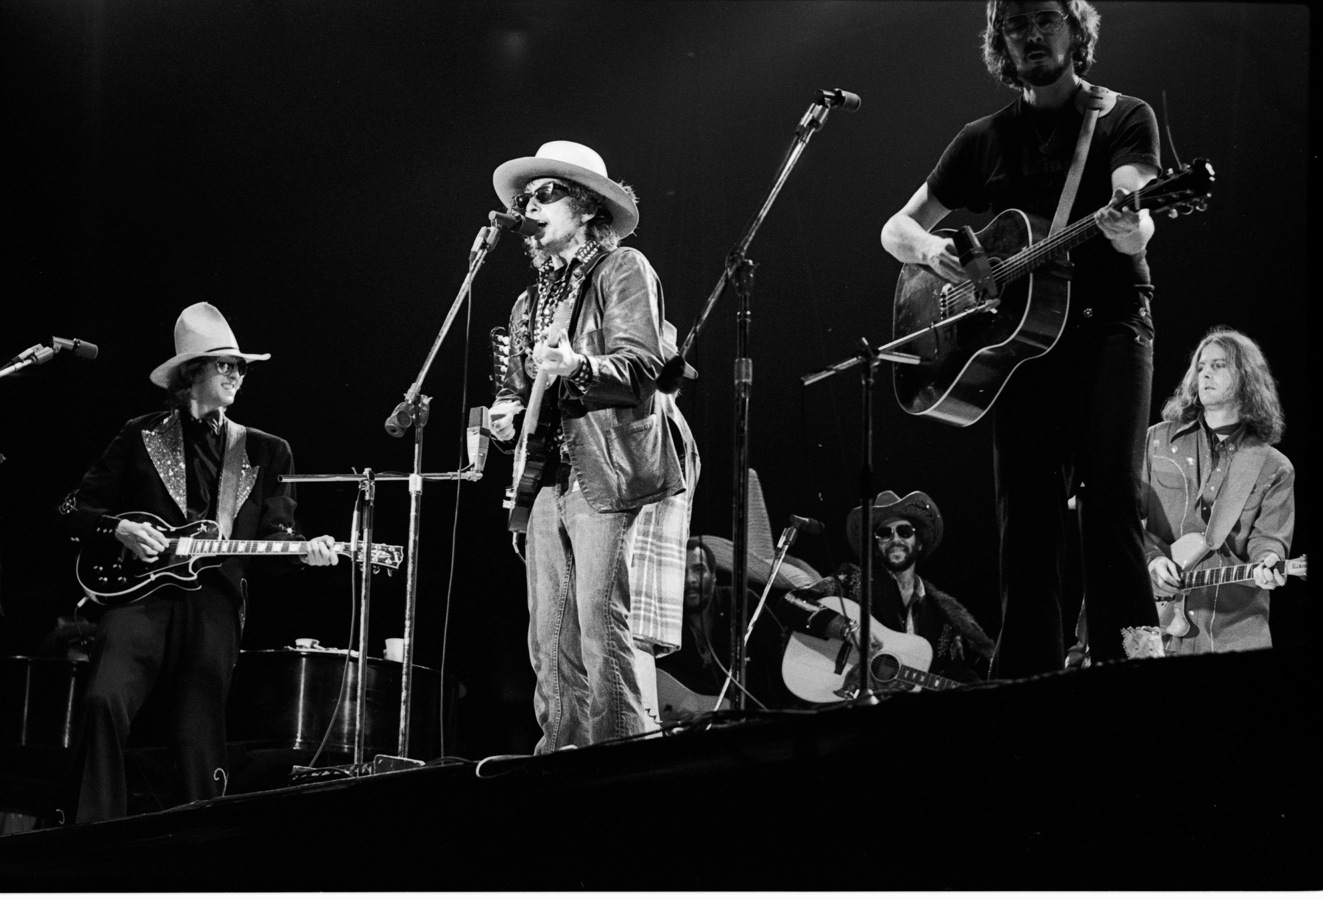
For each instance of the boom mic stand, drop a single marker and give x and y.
(739, 269)
(412, 411)
(868, 357)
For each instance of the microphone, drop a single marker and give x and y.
(479, 436)
(514, 222)
(844, 99)
(808, 526)
(81, 349)
(398, 422)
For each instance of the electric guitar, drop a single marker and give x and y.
(530, 455)
(972, 336)
(1187, 553)
(825, 670)
(111, 575)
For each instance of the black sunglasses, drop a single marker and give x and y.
(902, 530)
(545, 195)
(226, 366)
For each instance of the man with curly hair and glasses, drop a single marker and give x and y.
(591, 331)
(1213, 476)
(1072, 421)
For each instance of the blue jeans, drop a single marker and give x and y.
(578, 634)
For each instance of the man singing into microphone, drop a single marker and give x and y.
(905, 531)
(592, 328)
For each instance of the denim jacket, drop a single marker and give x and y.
(1178, 464)
(620, 445)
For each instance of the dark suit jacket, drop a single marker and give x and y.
(128, 479)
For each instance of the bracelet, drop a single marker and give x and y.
(582, 376)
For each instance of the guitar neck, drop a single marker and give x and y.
(225, 547)
(926, 680)
(1224, 575)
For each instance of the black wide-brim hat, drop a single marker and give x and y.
(916, 507)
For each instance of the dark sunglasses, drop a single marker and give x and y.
(226, 366)
(1048, 21)
(902, 530)
(544, 195)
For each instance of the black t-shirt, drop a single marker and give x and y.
(1018, 157)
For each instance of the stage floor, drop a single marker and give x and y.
(1156, 774)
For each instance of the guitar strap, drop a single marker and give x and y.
(1096, 102)
(236, 477)
(1241, 477)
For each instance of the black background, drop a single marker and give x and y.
(318, 170)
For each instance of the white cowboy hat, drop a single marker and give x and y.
(761, 548)
(916, 506)
(573, 162)
(201, 330)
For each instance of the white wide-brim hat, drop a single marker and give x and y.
(200, 330)
(572, 162)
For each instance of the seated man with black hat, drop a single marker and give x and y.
(905, 531)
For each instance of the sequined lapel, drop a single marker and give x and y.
(165, 447)
(237, 477)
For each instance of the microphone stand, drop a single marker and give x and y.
(739, 269)
(361, 542)
(40, 353)
(782, 548)
(868, 357)
(413, 412)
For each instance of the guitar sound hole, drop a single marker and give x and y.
(885, 667)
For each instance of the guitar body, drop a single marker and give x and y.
(529, 462)
(678, 703)
(823, 670)
(111, 575)
(966, 364)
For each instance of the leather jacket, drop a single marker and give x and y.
(620, 446)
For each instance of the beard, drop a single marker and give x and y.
(1043, 75)
(895, 563)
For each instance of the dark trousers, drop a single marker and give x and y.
(1073, 422)
(185, 644)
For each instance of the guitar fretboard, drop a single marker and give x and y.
(919, 678)
(1207, 577)
(221, 547)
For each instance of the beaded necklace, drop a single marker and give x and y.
(553, 293)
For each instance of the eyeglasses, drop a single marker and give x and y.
(902, 530)
(545, 195)
(226, 366)
(1048, 21)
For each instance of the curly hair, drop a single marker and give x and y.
(1084, 22)
(599, 228)
(181, 383)
(1255, 388)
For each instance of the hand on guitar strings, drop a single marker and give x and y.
(555, 356)
(142, 539)
(1124, 226)
(941, 257)
(503, 414)
(321, 552)
(1164, 576)
(1266, 576)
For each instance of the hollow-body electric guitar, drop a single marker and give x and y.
(974, 335)
(111, 575)
(825, 670)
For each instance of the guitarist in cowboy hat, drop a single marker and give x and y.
(1077, 414)
(589, 340)
(906, 531)
(187, 463)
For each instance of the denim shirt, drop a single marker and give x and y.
(1183, 475)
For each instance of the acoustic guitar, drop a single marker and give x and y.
(1017, 312)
